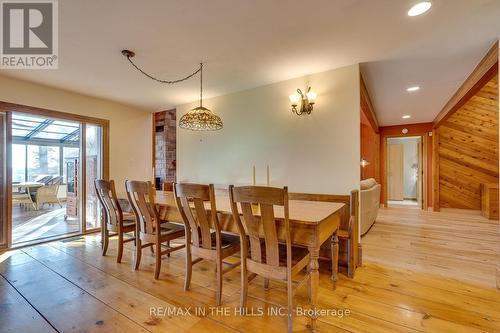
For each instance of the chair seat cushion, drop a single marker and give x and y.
(170, 228)
(228, 240)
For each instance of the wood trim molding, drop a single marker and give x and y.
(418, 129)
(483, 73)
(367, 106)
(153, 146)
(11, 107)
(435, 170)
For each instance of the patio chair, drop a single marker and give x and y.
(23, 199)
(55, 181)
(47, 195)
(44, 179)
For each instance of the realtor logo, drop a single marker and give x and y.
(29, 34)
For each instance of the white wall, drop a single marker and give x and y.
(310, 153)
(130, 128)
(410, 159)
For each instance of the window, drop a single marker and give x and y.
(93, 171)
(43, 161)
(18, 163)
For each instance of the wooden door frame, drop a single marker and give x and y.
(10, 108)
(423, 179)
(7, 188)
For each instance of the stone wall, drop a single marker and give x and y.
(165, 137)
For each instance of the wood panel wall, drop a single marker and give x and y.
(370, 150)
(468, 149)
(370, 138)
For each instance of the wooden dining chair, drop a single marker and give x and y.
(153, 232)
(257, 205)
(203, 233)
(115, 220)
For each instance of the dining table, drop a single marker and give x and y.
(26, 185)
(311, 224)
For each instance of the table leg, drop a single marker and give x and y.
(314, 276)
(335, 258)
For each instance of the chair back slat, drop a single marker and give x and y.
(257, 205)
(259, 194)
(141, 197)
(106, 193)
(190, 200)
(252, 230)
(270, 235)
(203, 222)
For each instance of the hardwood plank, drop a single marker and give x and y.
(119, 295)
(422, 272)
(63, 304)
(17, 315)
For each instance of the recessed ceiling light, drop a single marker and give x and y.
(420, 8)
(406, 116)
(413, 88)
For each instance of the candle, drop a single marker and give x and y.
(253, 176)
(268, 175)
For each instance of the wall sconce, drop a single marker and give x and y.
(364, 162)
(306, 101)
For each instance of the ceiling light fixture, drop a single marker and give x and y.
(406, 116)
(199, 118)
(420, 8)
(413, 88)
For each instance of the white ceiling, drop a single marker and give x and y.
(247, 44)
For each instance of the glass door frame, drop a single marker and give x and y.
(9, 109)
(6, 186)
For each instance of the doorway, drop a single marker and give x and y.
(49, 163)
(44, 152)
(405, 172)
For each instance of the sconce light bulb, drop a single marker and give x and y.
(311, 96)
(294, 99)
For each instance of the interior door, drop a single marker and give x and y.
(396, 173)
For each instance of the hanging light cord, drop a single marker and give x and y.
(129, 55)
(201, 84)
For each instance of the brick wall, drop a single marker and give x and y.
(166, 125)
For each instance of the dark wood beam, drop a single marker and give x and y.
(367, 106)
(482, 74)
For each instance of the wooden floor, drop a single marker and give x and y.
(422, 272)
(48, 221)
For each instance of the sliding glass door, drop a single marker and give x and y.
(93, 170)
(3, 180)
(48, 163)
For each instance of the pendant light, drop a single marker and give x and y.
(201, 118)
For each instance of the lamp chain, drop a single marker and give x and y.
(129, 56)
(201, 84)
